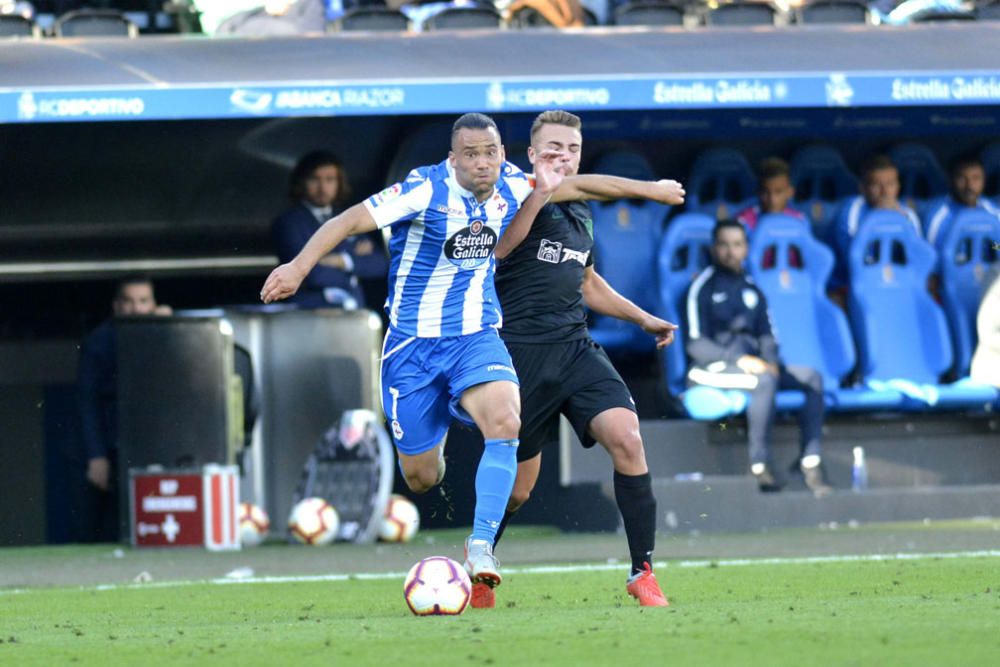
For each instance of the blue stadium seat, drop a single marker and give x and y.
(967, 255)
(685, 250)
(425, 145)
(626, 239)
(812, 331)
(926, 213)
(821, 179)
(94, 23)
(371, 18)
(463, 17)
(988, 11)
(833, 11)
(15, 25)
(742, 13)
(902, 334)
(721, 183)
(649, 13)
(921, 177)
(683, 253)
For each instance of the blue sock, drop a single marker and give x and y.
(494, 481)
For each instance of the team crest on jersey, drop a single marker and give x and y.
(471, 246)
(550, 251)
(750, 299)
(554, 253)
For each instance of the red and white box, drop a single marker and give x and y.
(173, 508)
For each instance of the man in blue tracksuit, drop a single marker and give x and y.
(732, 346)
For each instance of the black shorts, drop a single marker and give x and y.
(574, 378)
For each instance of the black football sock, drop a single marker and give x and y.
(634, 495)
(503, 526)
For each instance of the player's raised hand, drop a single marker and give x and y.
(663, 330)
(283, 282)
(668, 192)
(549, 165)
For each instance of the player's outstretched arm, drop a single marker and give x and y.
(606, 188)
(602, 298)
(284, 281)
(547, 180)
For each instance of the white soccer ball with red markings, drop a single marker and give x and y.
(437, 586)
(254, 524)
(400, 521)
(313, 521)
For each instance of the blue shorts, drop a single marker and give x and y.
(423, 380)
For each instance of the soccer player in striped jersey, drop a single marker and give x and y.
(442, 356)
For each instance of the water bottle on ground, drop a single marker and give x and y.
(859, 471)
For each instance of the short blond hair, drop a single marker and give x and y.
(555, 117)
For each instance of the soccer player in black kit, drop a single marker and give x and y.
(543, 283)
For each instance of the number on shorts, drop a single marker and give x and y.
(395, 401)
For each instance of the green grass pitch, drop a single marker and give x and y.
(924, 611)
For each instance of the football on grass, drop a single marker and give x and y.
(400, 520)
(254, 524)
(313, 521)
(437, 586)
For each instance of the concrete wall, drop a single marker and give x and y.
(25, 370)
(903, 450)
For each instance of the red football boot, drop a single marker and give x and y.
(644, 588)
(483, 596)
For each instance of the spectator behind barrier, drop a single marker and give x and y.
(277, 17)
(212, 13)
(97, 383)
(732, 346)
(560, 13)
(319, 189)
(986, 361)
(901, 12)
(968, 180)
(20, 8)
(270, 17)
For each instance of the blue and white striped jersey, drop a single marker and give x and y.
(441, 261)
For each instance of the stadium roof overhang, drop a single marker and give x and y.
(500, 71)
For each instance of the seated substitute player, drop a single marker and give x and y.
(968, 180)
(732, 346)
(879, 191)
(543, 284)
(774, 194)
(442, 356)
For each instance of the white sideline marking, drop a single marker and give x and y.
(543, 569)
